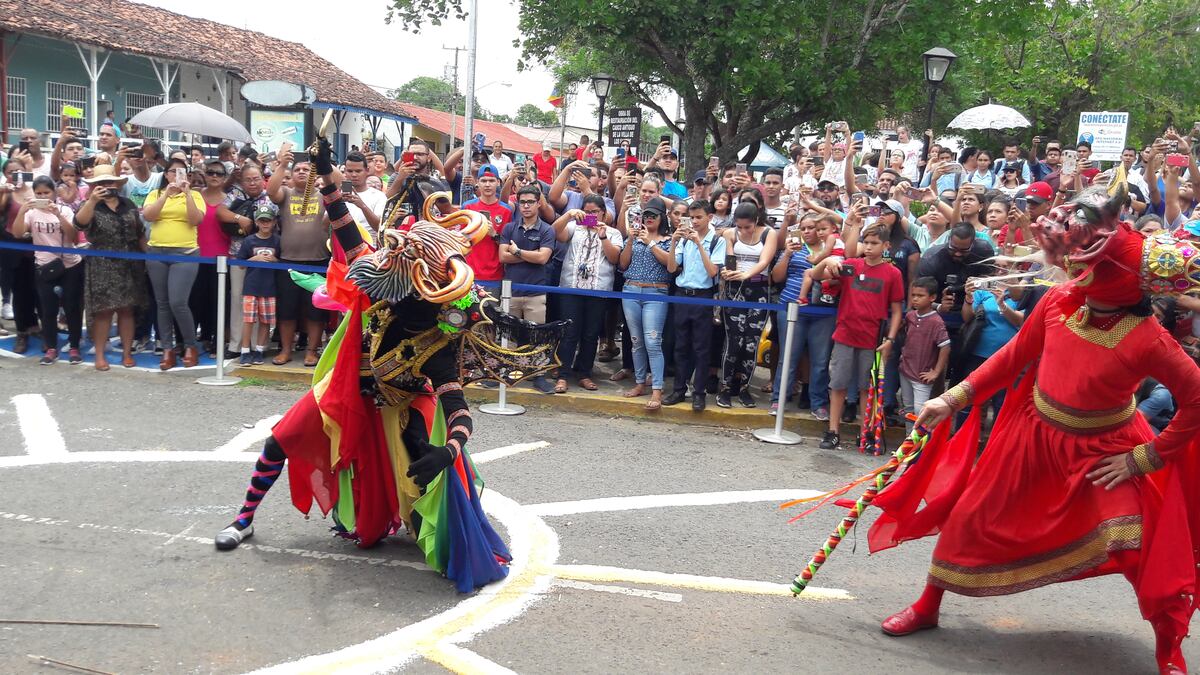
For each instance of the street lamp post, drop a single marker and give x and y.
(601, 84)
(937, 63)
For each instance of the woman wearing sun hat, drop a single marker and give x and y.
(112, 285)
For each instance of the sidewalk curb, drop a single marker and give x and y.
(593, 403)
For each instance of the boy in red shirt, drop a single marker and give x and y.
(872, 290)
(484, 257)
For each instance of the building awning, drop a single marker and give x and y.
(363, 111)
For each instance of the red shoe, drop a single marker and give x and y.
(908, 622)
(1172, 669)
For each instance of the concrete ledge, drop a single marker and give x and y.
(577, 400)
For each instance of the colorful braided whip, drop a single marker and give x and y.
(907, 452)
(871, 437)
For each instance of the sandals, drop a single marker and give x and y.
(282, 359)
(655, 401)
(102, 367)
(637, 390)
(586, 383)
(310, 359)
(621, 374)
(560, 387)
(127, 361)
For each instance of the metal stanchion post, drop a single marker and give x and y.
(778, 435)
(220, 380)
(502, 407)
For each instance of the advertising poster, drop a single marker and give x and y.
(1106, 132)
(270, 128)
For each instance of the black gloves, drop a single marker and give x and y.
(324, 158)
(433, 458)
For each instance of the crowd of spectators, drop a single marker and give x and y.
(896, 246)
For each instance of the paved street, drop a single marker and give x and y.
(640, 547)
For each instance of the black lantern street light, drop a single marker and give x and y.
(937, 63)
(601, 84)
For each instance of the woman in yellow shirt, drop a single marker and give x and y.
(174, 211)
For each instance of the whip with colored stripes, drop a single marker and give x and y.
(906, 453)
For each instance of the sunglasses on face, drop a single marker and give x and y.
(215, 174)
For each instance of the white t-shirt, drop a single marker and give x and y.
(42, 169)
(912, 153)
(374, 199)
(835, 172)
(586, 250)
(502, 163)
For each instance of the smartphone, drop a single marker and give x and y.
(407, 158)
(631, 162)
(1070, 161)
(87, 163)
(347, 187)
(286, 146)
(23, 145)
(1177, 159)
(1173, 146)
(631, 190)
(180, 174)
(665, 138)
(39, 203)
(1022, 204)
(857, 196)
(913, 193)
(954, 167)
(858, 136)
(685, 223)
(847, 270)
(590, 220)
(130, 142)
(24, 177)
(591, 161)
(741, 167)
(794, 236)
(301, 158)
(714, 162)
(874, 211)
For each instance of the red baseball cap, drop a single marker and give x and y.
(1039, 192)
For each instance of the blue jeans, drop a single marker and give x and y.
(646, 319)
(1158, 408)
(816, 334)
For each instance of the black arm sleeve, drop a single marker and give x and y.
(442, 370)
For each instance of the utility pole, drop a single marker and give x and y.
(472, 33)
(453, 96)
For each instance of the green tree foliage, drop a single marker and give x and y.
(532, 116)
(1054, 60)
(429, 92)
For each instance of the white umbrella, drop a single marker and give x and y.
(990, 116)
(192, 118)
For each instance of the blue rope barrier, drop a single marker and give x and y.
(533, 288)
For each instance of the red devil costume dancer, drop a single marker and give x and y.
(1073, 482)
(380, 439)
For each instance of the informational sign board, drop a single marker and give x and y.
(1106, 132)
(625, 124)
(270, 128)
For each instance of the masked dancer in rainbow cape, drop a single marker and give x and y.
(380, 439)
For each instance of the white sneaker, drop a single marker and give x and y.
(6, 311)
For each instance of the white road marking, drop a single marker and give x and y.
(533, 545)
(605, 504)
(42, 436)
(459, 660)
(126, 456)
(620, 590)
(506, 451)
(181, 534)
(716, 584)
(249, 437)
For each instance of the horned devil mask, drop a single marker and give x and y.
(425, 260)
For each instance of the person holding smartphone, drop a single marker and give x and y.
(48, 223)
(666, 160)
(644, 259)
(16, 267)
(112, 285)
(175, 212)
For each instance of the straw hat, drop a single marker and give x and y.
(105, 173)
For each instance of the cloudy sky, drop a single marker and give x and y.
(361, 44)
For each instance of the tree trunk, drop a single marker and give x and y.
(693, 158)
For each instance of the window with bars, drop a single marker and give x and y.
(136, 103)
(17, 102)
(58, 95)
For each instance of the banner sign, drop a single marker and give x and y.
(270, 128)
(1106, 132)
